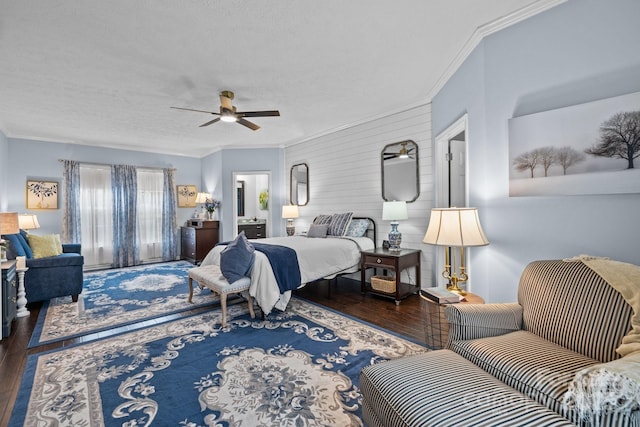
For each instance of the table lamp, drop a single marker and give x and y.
(8, 225)
(28, 222)
(455, 227)
(201, 199)
(289, 212)
(394, 211)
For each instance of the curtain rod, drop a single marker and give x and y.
(109, 164)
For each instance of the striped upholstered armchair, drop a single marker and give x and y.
(557, 345)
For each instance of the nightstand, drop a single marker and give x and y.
(396, 261)
(436, 325)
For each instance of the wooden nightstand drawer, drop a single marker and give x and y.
(377, 260)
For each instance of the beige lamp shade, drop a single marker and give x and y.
(202, 198)
(290, 211)
(28, 221)
(394, 211)
(9, 223)
(455, 227)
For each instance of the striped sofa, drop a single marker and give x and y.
(567, 318)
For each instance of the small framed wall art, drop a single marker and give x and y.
(187, 196)
(42, 194)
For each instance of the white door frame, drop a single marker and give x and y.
(442, 179)
(234, 179)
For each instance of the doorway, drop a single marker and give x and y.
(251, 201)
(451, 174)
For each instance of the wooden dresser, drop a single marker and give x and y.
(254, 230)
(198, 239)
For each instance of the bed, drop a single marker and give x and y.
(318, 258)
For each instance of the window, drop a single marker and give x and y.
(96, 215)
(150, 186)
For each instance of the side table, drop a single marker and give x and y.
(391, 260)
(436, 324)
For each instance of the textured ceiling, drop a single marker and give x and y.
(105, 73)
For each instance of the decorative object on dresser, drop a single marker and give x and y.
(397, 261)
(455, 227)
(201, 199)
(9, 296)
(289, 212)
(253, 228)
(394, 211)
(198, 238)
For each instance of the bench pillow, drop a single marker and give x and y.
(237, 258)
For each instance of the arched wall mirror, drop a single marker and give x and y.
(299, 182)
(400, 174)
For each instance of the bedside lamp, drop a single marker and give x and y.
(28, 222)
(455, 227)
(289, 212)
(394, 211)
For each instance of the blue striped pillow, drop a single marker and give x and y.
(339, 224)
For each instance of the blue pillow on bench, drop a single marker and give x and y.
(237, 258)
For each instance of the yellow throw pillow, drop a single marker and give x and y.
(45, 246)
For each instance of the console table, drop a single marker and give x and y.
(397, 261)
(9, 296)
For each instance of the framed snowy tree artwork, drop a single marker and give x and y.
(42, 194)
(591, 148)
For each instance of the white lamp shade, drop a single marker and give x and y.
(290, 211)
(28, 221)
(455, 227)
(202, 197)
(9, 223)
(394, 211)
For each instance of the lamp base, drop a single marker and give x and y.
(291, 229)
(395, 237)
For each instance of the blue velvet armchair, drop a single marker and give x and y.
(49, 277)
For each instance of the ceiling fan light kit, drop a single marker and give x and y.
(228, 112)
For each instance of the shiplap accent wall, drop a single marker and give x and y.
(345, 175)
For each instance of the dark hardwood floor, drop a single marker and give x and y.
(405, 319)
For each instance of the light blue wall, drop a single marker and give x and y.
(4, 164)
(577, 52)
(217, 178)
(39, 160)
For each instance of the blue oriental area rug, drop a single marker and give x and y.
(297, 368)
(118, 297)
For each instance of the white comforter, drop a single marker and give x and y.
(318, 258)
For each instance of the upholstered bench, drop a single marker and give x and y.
(441, 388)
(211, 277)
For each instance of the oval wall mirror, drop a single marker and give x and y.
(400, 174)
(299, 182)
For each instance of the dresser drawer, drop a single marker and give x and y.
(377, 260)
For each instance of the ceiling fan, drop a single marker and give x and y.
(404, 153)
(228, 112)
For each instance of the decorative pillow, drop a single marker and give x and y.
(357, 228)
(22, 238)
(15, 247)
(45, 246)
(339, 223)
(237, 258)
(318, 230)
(322, 219)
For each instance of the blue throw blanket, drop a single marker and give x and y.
(284, 263)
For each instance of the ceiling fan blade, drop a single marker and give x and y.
(210, 123)
(248, 124)
(191, 109)
(270, 113)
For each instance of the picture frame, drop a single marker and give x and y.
(42, 194)
(186, 195)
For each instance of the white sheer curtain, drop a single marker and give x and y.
(96, 209)
(150, 198)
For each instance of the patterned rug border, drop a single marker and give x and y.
(34, 341)
(240, 310)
